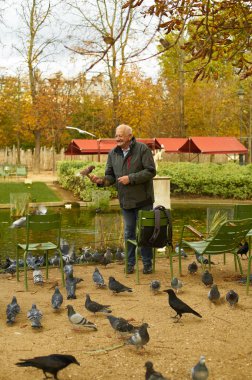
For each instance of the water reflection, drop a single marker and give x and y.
(85, 228)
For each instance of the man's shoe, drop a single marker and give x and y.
(130, 269)
(147, 269)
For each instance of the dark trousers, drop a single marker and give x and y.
(130, 221)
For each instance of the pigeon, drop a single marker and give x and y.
(11, 269)
(12, 310)
(151, 374)
(155, 286)
(35, 315)
(108, 255)
(232, 298)
(207, 278)
(96, 257)
(68, 269)
(78, 320)
(86, 256)
(49, 364)
(96, 307)
(21, 222)
(214, 294)
(117, 287)
(243, 250)
(121, 325)
(182, 251)
(98, 279)
(71, 286)
(202, 260)
(192, 268)
(140, 337)
(119, 255)
(104, 261)
(55, 260)
(179, 306)
(37, 276)
(200, 371)
(176, 284)
(57, 299)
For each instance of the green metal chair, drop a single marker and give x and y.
(147, 219)
(225, 240)
(39, 227)
(21, 171)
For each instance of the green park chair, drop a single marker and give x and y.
(39, 230)
(226, 239)
(147, 219)
(21, 171)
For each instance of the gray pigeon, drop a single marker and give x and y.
(57, 299)
(176, 284)
(35, 315)
(19, 222)
(151, 374)
(96, 307)
(12, 310)
(70, 287)
(140, 337)
(98, 279)
(200, 371)
(119, 255)
(232, 298)
(155, 286)
(207, 278)
(68, 269)
(117, 287)
(182, 251)
(108, 255)
(214, 294)
(121, 325)
(192, 268)
(37, 276)
(78, 320)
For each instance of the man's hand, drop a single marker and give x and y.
(124, 180)
(98, 180)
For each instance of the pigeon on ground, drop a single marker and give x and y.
(182, 251)
(35, 315)
(108, 255)
(96, 257)
(192, 268)
(11, 269)
(214, 294)
(207, 278)
(243, 280)
(179, 306)
(119, 255)
(49, 364)
(12, 310)
(140, 337)
(151, 374)
(78, 320)
(200, 371)
(202, 260)
(155, 286)
(37, 276)
(55, 260)
(117, 287)
(98, 279)
(68, 269)
(121, 325)
(104, 261)
(243, 250)
(71, 283)
(176, 284)
(57, 299)
(232, 298)
(96, 307)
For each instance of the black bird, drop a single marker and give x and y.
(98, 279)
(179, 306)
(232, 298)
(192, 268)
(243, 250)
(12, 310)
(117, 287)
(214, 294)
(49, 364)
(96, 307)
(207, 278)
(151, 374)
(140, 337)
(121, 325)
(57, 299)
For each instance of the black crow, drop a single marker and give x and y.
(243, 250)
(179, 306)
(117, 287)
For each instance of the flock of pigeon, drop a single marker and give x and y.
(136, 336)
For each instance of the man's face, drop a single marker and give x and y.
(122, 138)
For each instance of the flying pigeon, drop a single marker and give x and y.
(35, 315)
(12, 310)
(155, 286)
(117, 287)
(57, 299)
(207, 278)
(232, 298)
(200, 371)
(192, 268)
(98, 279)
(96, 307)
(151, 374)
(179, 306)
(140, 337)
(176, 284)
(78, 320)
(214, 294)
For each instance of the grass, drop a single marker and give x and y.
(39, 192)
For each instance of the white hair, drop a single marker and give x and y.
(126, 128)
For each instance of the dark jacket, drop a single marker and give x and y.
(140, 167)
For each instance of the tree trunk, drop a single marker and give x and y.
(36, 166)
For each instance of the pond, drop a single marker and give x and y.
(81, 227)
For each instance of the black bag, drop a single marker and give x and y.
(160, 235)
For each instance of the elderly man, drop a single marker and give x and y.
(131, 167)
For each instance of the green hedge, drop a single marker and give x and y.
(212, 180)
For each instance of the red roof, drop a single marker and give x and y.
(101, 146)
(213, 145)
(172, 144)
